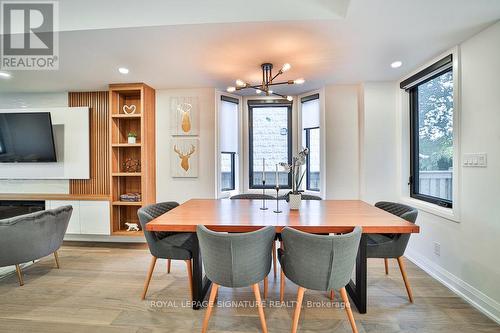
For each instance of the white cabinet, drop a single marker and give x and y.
(94, 217)
(89, 217)
(74, 222)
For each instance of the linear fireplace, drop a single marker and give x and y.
(11, 208)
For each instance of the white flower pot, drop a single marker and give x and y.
(294, 200)
(131, 139)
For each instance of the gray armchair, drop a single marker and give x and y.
(165, 245)
(318, 262)
(236, 260)
(392, 245)
(33, 236)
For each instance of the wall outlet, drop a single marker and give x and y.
(437, 249)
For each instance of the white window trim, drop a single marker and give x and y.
(298, 128)
(452, 214)
(238, 156)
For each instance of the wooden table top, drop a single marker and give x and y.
(325, 216)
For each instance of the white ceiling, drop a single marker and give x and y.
(335, 47)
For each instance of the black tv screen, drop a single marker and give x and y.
(26, 137)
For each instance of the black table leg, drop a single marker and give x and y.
(200, 284)
(357, 290)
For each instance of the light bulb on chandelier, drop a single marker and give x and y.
(268, 80)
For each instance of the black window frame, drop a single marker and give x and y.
(308, 159)
(411, 85)
(233, 172)
(268, 103)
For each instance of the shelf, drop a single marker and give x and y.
(126, 174)
(127, 233)
(118, 145)
(122, 115)
(127, 203)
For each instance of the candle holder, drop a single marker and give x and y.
(277, 211)
(263, 195)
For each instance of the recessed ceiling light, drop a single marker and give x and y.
(5, 75)
(123, 70)
(396, 64)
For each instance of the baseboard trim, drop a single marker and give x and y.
(104, 238)
(476, 298)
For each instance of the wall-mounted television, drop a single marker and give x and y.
(26, 137)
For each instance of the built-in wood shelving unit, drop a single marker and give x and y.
(142, 122)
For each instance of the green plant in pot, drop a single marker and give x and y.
(294, 197)
(132, 137)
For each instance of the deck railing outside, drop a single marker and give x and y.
(437, 184)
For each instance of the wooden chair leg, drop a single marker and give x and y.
(405, 278)
(266, 286)
(148, 278)
(282, 286)
(260, 308)
(56, 256)
(386, 263)
(19, 275)
(275, 260)
(190, 276)
(169, 264)
(332, 295)
(343, 294)
(208, 312)
(296, 313)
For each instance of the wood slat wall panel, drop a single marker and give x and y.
(98, 102)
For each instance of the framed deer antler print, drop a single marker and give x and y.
(184, 157)
(184, 116)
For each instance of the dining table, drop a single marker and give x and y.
(314, 216)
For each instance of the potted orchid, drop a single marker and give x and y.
(294, 197)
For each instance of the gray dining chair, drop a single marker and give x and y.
(392, 245)
(278, 236)
(303, 197)
(252, 196)
(318, 262)
(166, 245)
(236, 260)
(32, 236)
(260, 196)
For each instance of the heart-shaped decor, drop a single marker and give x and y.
(129, 109)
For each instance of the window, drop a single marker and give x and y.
(228, 142)
(310, 110)
(227, 171)
(431, 134)
(270, 140)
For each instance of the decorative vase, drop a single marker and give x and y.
(131, 139)
(294, 200)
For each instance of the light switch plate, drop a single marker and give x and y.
(479, 160)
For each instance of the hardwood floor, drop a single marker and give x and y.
(99, 286)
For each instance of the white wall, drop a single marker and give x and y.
(183, 189)
(378, 148)
(469, 249)
(342, 141)
(33, 100)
